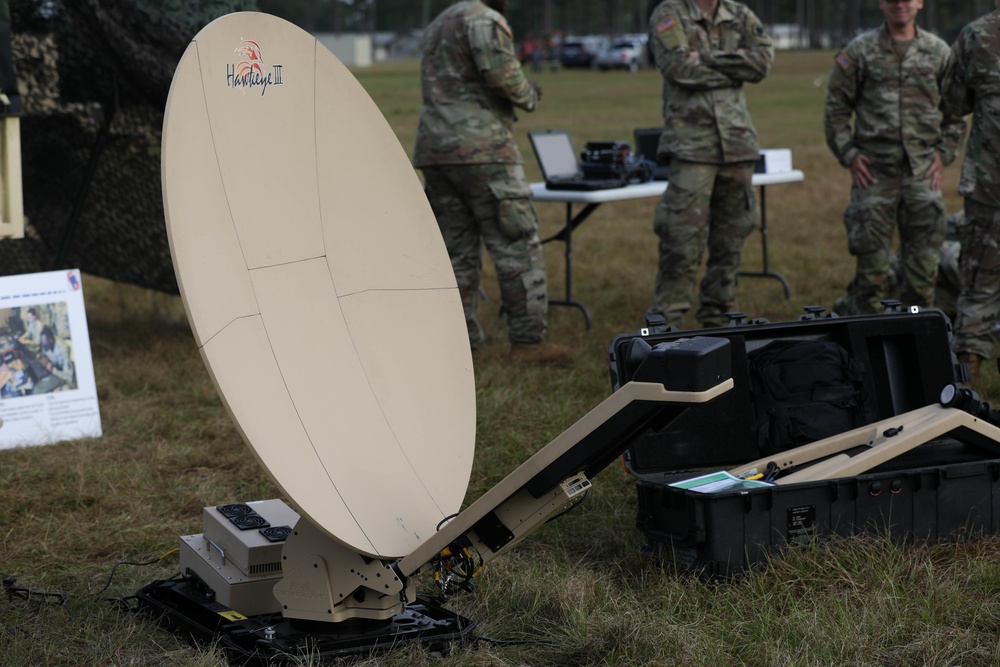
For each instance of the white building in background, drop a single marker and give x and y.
(398, 45)
(794, 36)
(352, 49)
(363, 49)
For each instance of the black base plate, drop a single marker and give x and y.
(185, 606)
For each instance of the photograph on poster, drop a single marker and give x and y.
(48, 392)
(36, 350)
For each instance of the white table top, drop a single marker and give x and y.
(652, 189)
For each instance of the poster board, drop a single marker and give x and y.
(47, 388)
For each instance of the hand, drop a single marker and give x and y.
(537, 88)
(861, 175)
(936, 172)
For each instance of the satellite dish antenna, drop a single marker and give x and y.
(317, 285)
(325, 308)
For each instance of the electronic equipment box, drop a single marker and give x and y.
(894, 363)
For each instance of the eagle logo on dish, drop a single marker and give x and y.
(253, 61)
(249, 72)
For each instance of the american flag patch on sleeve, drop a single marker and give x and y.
(843, 60)
(505, 27)
(665, 24)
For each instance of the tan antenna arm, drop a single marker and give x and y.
(553, 479)
(885, 440)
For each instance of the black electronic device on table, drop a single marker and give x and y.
(560, 167)
(647, 144)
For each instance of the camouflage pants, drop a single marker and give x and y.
(705, 205)
(979, 302)
(871, 220)
(490, 204)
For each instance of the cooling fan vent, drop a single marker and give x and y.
(276, 533)
(243, 517)
(238, 509)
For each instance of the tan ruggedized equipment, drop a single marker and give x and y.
(326, 310)
(879, 442)
(11, 196)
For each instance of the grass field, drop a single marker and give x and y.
(577, 592)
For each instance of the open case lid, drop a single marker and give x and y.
(350, 378)
(906, 357)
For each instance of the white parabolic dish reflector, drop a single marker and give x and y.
(317, 284)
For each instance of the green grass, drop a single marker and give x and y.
(577, 592)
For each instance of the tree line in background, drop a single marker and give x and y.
(812, 23)
(94, 77)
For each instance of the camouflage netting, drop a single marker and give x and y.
(94, 77)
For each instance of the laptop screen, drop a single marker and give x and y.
(555, 154)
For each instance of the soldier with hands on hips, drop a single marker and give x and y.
(890, 80)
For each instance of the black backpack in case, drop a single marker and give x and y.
(803, 391)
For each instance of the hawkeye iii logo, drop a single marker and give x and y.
(249, 73)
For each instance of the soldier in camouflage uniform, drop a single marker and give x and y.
(706, 50)
(949, 276)
(974, 87)
(473, 171)
(890, 80)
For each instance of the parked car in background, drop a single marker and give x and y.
(623, 54)
(582, 51)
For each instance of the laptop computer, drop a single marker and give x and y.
(647, 142)
(560, 166)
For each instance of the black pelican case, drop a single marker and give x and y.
(902, 361)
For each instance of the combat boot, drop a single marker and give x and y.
(539, 353)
